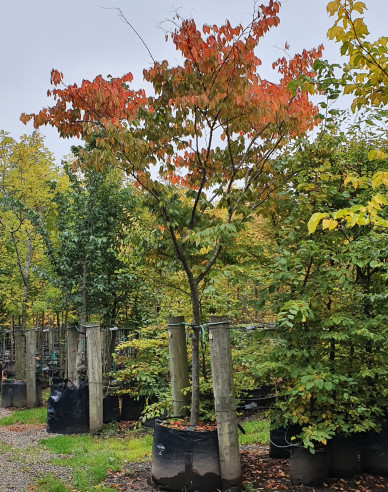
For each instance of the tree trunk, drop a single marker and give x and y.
(194, 418)
(20, 360)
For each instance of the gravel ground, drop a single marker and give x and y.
(20, 462)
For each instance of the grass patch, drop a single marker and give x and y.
(257, 432)
(91, 457)
(50, 484)
(28, 416)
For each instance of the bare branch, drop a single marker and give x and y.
(125, 20)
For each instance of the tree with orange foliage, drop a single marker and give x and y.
(210, 131)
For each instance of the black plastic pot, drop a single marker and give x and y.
(344, 459)
(374, 452)
(307, 468)
(131, 409)
(259, 398)
(111, 409)
(14, 393)
(280, 441)
(68, 408)
(185, 460)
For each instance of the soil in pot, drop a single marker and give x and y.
(307, 468)
(374, 452)
(185, 459)
(344, 457)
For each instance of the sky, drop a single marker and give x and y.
(84, 38)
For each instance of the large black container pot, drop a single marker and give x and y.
(259, 398)
(374, 452)
(14, 393)
(307, 468)
(185, 460)
(344, 457)
(111, 409)
(131, 409)
(280, 441)
(68, 408)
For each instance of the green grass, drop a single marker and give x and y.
(50, 484)
(28, 416)
(257, 432)
(90, 457)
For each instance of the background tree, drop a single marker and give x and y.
(27, 178)
(93, 218)
(365, 76)
(329, 291)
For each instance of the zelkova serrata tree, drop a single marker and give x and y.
(209, 130)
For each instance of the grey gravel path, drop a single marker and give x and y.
(21, 462)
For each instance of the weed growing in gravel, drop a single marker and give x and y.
(27, 416)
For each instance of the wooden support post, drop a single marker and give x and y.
(178, 365)
(224, 399)
(60, 348)
(50, 340)
(32, 401)
(72, 346)
(93, 341)
(20, 352)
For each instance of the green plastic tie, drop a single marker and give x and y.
(218, 323)
(203, 333)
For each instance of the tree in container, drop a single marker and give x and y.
(329, 290)
(210, 130)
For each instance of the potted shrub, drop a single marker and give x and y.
(332, 410)
(142, 374)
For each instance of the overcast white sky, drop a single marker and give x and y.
(82, 39)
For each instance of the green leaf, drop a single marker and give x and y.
(319, 383)
(328, 385)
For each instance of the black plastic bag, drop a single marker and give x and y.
(68, 408)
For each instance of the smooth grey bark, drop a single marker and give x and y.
(178, 365)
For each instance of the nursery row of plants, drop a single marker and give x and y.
(217, 194)
(327, 291)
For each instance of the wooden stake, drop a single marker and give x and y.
(20, 353)
(31, 368)
(225, 405)
(72, 345)
(93, 340)
(178, 365)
